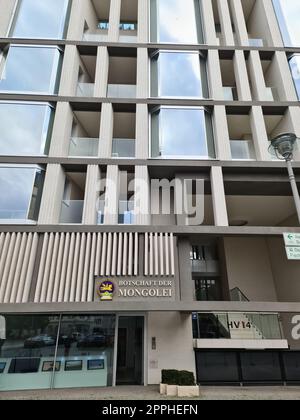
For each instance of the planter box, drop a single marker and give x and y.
(163, 389)
(188, 391)
(172, 390)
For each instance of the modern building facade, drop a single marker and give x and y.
(108, 108)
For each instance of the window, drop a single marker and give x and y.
(31, 135)
(103, 25)
(40, 19)
(176, 21)
(288, 12)
(128, 26)
(182, 133)
(40, 351)
(294, 63)
(31, 68)
(20, 193)
(179, 74)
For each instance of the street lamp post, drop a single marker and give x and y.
(283, 146)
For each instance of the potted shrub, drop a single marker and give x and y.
(169, 382)
(178, 384)
(187, 385)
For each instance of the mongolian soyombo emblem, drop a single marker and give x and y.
(106, 291)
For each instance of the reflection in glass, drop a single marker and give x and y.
(294, 63)
(29, 342)
(182, 133)
(20, 193)
(84, 357)
(288, 12)
(177, 74)
(30, 69)
(176, 21)
(25, 128)
(40, 19)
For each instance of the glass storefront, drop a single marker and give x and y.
(42, 351)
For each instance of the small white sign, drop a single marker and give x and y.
(292, 239)
(2, 328)
(293, 253)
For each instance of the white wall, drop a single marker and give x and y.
(286, 273)
(174, 340)
(249, 268)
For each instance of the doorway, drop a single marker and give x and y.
(130, 356)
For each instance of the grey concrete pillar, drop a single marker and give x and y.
(284, 80)
(143, 21)
(7, 9)
(91, 195)
(218, 197)
(259, 134)
(222, 141)
(142, 196)
(225, 21)
(76, 26)
(239, 22)
(102, 69)
(111, 210)
(268, 12)
(241, 76)
(209, 23)
(142, 132)
(214, 76)
(106, 131)
(114, 20)
(256, 74)
(142, 73)
(62, 130)
(187, 285)
(70, 71)
(52, 195)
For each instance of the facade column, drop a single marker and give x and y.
(259, 134)
(142, 132)
(214, 75)
(209, 23)
(52, 195)
(225, 21)
(267, 10)
(142, 81)
(114, 20)
(106, 131)
(292, 124)
(102, 69)
(92, 190)
(62, 130)
(257, 77)
(222, 140)
(241, 76)
(77, 15)
(143, 21)
(218, 197)
(284, 81)
(187, 285)
(70, 70)
(239, 22)
(111, 209)
(142, 205)
(7, 8)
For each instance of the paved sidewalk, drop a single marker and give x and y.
(152, 393)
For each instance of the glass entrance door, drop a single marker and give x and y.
(130, 358)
